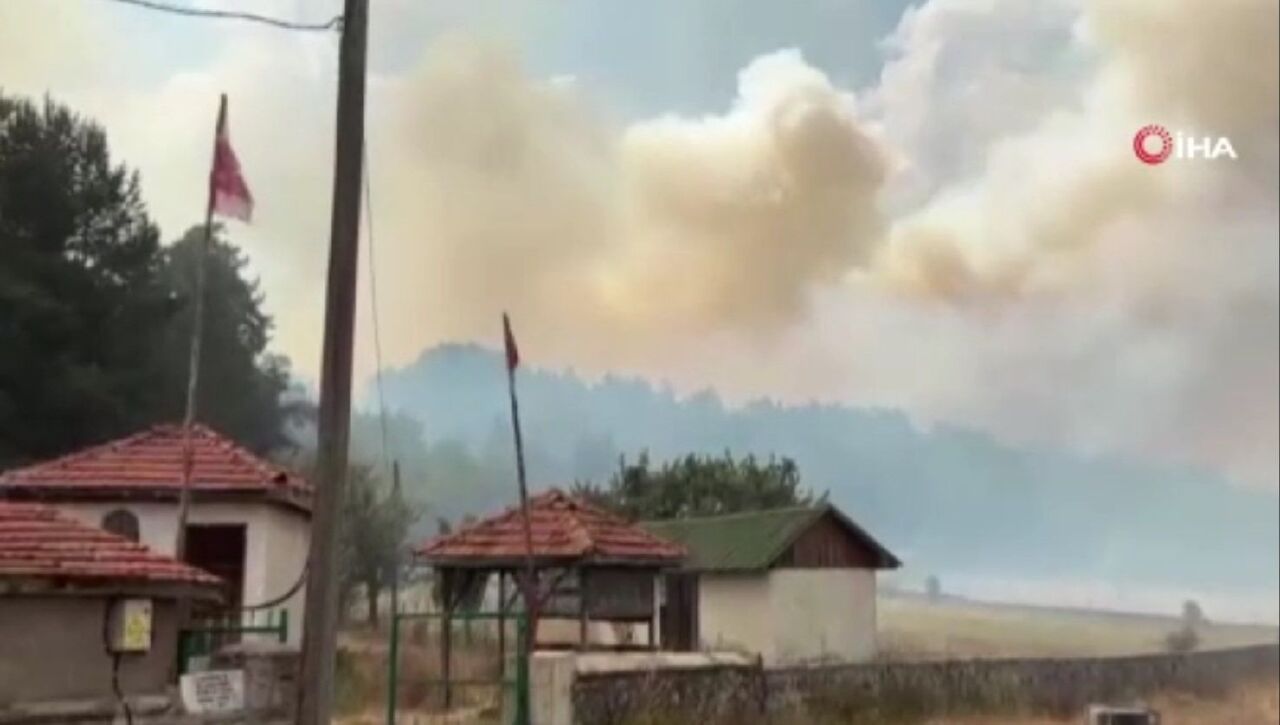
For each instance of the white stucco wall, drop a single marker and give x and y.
(736, 613)
(276, 542)
(821, 614)
(791, 615)
(288, 541)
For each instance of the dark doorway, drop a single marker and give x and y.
(679, 614)
(219, 549)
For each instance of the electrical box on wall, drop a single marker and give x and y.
(129, 627)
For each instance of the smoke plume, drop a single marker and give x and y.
(970, 239)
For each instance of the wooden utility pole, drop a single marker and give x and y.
(315, 706)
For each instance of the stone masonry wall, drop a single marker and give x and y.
(741, 694)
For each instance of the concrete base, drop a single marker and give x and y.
(552, 674)
(271, 673)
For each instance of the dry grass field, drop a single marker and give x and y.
(912, 627)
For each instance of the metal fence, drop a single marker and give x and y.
(509, 684)
(206, 635)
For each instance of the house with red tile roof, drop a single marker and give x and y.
(249, 520)
(61, 582)
(565, 531)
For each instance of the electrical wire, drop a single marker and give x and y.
(373, 306)
(282, 598)
(334, 23)
(123, 702)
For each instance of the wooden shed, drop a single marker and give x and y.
(792, 585)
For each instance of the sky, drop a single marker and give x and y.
(931, 207)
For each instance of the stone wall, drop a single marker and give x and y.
(742, 693)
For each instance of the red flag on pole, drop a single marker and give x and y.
(228, 193)
(509, 340)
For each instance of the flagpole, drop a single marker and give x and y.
(531, 588)
(197, 337)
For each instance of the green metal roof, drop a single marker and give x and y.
(752, 541)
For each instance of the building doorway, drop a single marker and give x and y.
(220, 550)
(679, 613)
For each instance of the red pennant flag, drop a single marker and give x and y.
(509, 341)
(228, 193)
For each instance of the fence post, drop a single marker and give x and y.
(522, 671)
(764, 684)
(393, 663)
(184, 646)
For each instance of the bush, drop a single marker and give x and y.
(1182, 640)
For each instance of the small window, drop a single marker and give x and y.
(121, 523)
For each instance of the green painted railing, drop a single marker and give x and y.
(519, 683)
(205, 635)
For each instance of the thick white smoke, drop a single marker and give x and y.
(970, 239)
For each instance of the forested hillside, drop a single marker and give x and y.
(945, 499)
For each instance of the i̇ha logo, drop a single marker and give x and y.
(1154, 144)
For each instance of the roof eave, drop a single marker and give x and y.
(497, 562)
(293, 498)
(41, 585)
(885, 558)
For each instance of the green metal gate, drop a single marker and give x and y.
(513, 685)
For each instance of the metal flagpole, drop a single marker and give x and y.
(197, 335)
(528, 642)
(512, 362)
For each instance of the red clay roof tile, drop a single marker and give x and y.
(37, 542)
(152, 461)
(563, 528)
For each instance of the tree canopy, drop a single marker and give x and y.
(95, 315)
(696, 485)
(375, 527)
(81, 292)
(243, 386)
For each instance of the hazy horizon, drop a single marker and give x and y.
(990, 518)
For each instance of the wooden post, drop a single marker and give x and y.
(446, 635)
(656, 604)
(320, 631)
(502, 620)
(653, 616)
(584, 591)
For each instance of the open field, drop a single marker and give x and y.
(912, 627)
(1253, 704)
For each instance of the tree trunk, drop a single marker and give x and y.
(371, 591)
(344, 602)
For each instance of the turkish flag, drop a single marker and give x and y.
(228, 193)
(509, 341)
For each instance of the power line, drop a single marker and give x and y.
(373, 306)
(334, 23)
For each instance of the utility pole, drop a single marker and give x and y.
(315, 706)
